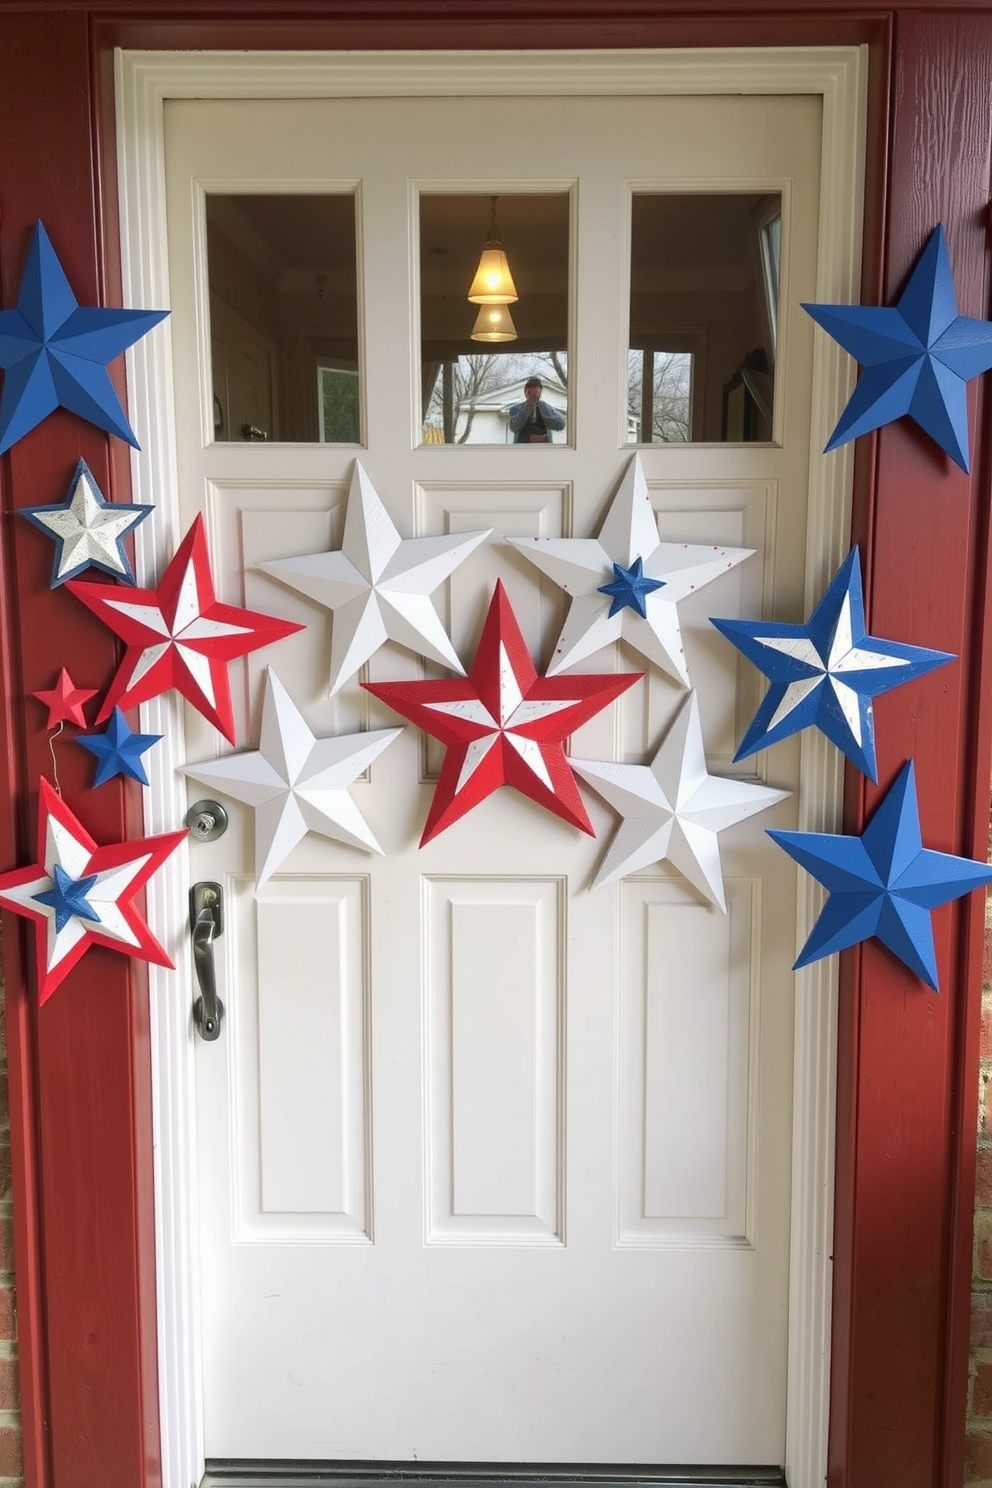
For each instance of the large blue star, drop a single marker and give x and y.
(629, 587)
(54, 353)
(917, 356)
(827, 671)
(67, 897)
(118, 750)
(883, 883)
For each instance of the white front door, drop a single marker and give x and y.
(493, 1167)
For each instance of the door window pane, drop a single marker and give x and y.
(704, 277)
(284, 318)
(477, 357)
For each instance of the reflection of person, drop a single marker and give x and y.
(533, 420)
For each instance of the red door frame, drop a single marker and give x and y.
(907, 1081)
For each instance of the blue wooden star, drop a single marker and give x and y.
(917, 356)
(54, 353)
(89, 530)
(827, 671)
(629, 587)
(118, 750)
(67, 897)
(883, 883)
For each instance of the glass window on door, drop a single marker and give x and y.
(704, 277)
(283, 284)
(494, 315)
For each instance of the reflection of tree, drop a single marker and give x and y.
(664, 415)
(451, 408)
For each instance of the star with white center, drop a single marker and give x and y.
(89, 530)
(378, 585)
(295, 782)
(673, 808)
(179, 635)
(626, 582)
(503, 724)
(826, 672)
(79, 894)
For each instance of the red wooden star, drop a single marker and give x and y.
(179, 635)
(65, 701)
(503, 724)
(79, 894)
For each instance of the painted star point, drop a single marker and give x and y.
(503, 724)
(883, 883)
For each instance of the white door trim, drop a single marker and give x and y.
(144, 81)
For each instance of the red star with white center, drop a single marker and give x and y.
(179, 635)
(503, 724)
(108, 878)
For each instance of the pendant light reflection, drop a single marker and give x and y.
(494, 323)
(493, 283)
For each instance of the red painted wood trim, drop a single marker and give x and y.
(80, 1065)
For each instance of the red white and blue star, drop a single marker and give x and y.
(503, 724)
(79, 894)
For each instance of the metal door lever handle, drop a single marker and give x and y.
(206, 901)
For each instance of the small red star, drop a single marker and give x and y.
(503, 724)
(179, 635)
(65, 701)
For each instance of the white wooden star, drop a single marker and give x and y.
(378, 584)
(296, 782)
(605, 577)
(673, 808)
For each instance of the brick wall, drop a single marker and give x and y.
(10, 1418)
(978, 1469)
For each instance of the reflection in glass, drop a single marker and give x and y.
(471, 381)
(284, 318)
(704, 284)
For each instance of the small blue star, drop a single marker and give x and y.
(629, 588)
(883, 883)
(89, 530)
(67, 897)
(827, 671)
(918, 356)
(54, 353)
(118, 750)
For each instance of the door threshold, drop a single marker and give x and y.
(269, 1474)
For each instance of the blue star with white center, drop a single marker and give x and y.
(826, 672)
(629, 588)
(54, 352)
(917, 356)
(67, 897)
(883, 883)
(118, 750)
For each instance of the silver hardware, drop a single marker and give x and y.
(206, 918)
(253, 433)
(207, 820)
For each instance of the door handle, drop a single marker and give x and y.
(206, 918)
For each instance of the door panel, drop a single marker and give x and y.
(494, 1168)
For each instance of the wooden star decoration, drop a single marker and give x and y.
(503, 724)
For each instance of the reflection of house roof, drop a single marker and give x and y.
(501, 398)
